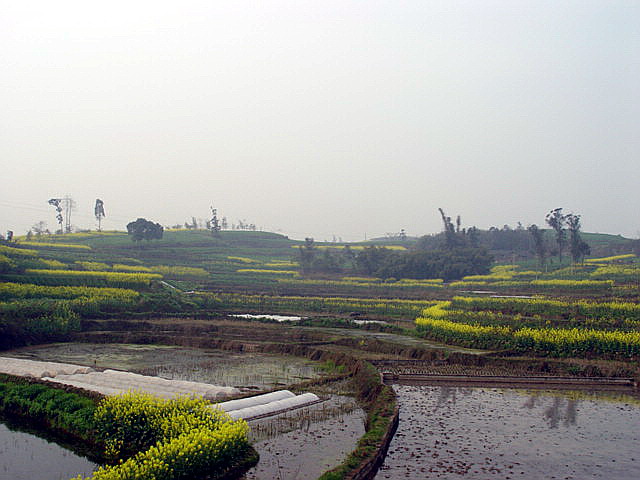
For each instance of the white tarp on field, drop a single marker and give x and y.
(111, 382)
(36, 369)
(274, 407)
(256, 400)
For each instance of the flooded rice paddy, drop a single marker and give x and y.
(304, 443)
(25, 456)
(251, 371)
(479, 433)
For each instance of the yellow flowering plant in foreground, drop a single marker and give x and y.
(182, 438)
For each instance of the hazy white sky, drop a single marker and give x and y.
(321, 118)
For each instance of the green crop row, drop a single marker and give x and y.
(10, 291)
(276, 303)
(17, 252)
(64, 412)
(551, 308)
(31, 308)
(72, 246)
(552, 284)
(91, 278)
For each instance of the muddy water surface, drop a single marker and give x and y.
(218, 367)
(24, 456)
(304, 443)
(478, 433)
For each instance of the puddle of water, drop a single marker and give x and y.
(24, 456)
(249, 370)
(365, 322)
(477, 433)
(277, 318)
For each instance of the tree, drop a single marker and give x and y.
(556, 220)
(67, 204)
(143, 229)
(57, 202)
(450, 240)
(457, 237)
(40, 228)
(538, 243)
(307, 255)
(214, 224)
(99, 212)
(578, 247)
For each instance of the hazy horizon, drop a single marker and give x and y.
(317, 119)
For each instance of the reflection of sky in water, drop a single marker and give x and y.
(455, 432)
(24, 456)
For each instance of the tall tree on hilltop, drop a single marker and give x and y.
(457, 237)
(578, 247)
(143, 229)
(214, 223)
(57, 203)
(98, 211)
(556, 220)
(450, 240)
(307, 255)
(538, 243)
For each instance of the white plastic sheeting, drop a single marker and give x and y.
(274, 407)
(36, 369)
(111, 382)
(256, 400)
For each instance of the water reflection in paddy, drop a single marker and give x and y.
(218, 367)
(24, 456)
(457, 432)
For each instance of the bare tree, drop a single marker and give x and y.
(57, 203)
(40, 228)
(99, 212)
(214, 223)
(69, 205)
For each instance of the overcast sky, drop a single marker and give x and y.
(321, 118)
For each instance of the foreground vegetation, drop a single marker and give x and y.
(143, 436)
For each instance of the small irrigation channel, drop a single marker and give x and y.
(478, 432)
(26, 455)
